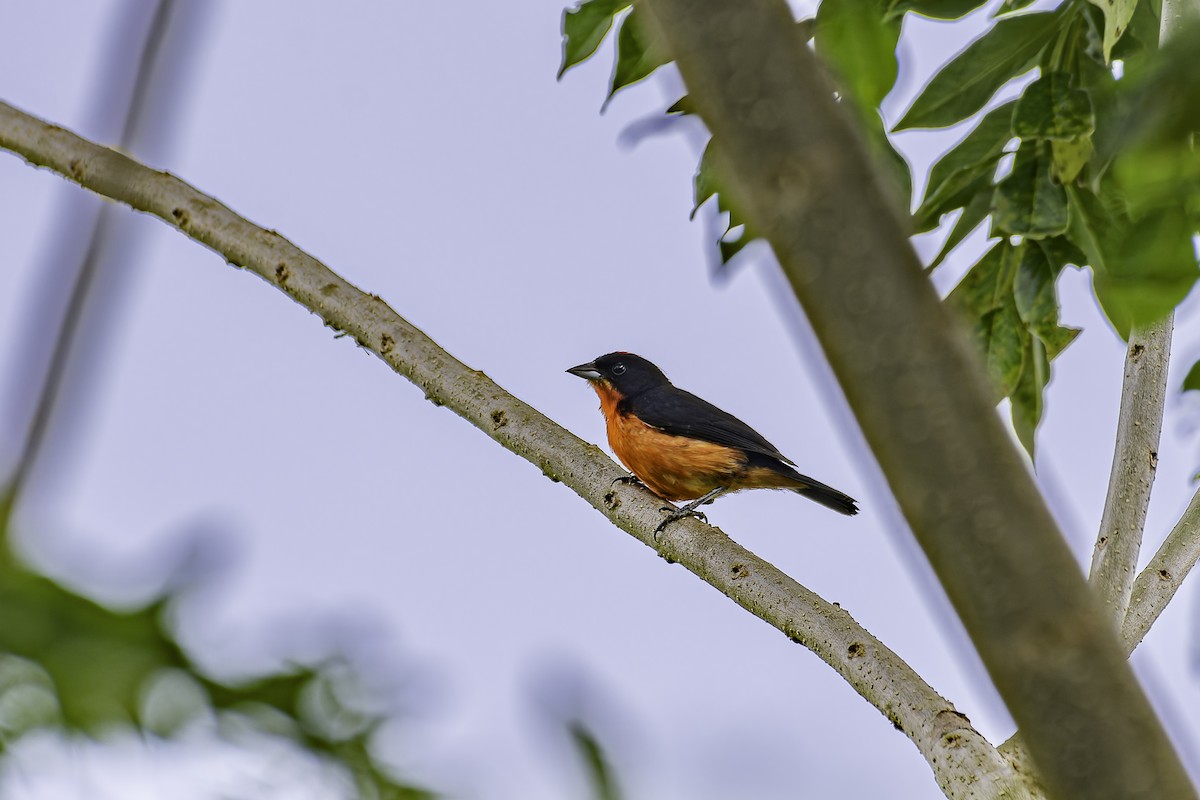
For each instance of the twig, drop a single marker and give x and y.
(962, 760)
(1162, 577)
(1135, 459)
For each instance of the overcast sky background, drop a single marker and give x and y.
(425, 152)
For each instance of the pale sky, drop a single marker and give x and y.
(425, 152)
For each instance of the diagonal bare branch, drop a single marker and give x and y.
(964, 763)
(1135, 460)
(1163, 576)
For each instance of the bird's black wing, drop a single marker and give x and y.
(683, 414)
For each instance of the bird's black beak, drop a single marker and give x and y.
(586, 371)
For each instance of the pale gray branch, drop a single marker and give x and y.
(964, 763)
(1162, 577)
(1135, 459)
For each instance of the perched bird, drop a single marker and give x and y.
(685, 448)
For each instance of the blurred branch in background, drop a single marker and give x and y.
(124, 96)
(67, 663)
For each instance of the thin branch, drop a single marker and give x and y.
(1162, 577)
(1135, 460)
(962, 760)
(79, 289)
(1152, 591)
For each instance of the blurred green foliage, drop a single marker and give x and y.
(69, 664)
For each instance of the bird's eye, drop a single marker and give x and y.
(618, 369)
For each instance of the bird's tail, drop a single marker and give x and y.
(819, 492)
(774, 474)
(829, 497)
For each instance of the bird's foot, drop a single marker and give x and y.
(677, 514)
(628, 480)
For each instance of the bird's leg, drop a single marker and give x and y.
(689, 510)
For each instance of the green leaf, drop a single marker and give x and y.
(1142, 35)
(1110, 109)
(1026, 398)
(985, 298)
(1069, 157)
(1192, 382)
(683, 105)
(897, 176)
(853, 37)
(1003, 336)
(584, 27)
(964, 85)
(1029, 202)
(930, 214)
(1117, 14)
(732, 242)
(955, 178)
(1150, 268)
(708, 183)
(1035, 295)
(1091, 222)
(934, 9)
(988, 285)
(859, 45)
(1153, 177)
(600, 774)
(1033, 289)
(640, 51)
(70, 664)
(1050, 108)
(1143, 267)
(975, 212)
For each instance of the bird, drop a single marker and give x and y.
(684, 448)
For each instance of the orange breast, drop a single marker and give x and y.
(673, 467)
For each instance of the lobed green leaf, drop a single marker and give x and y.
(856, 39)
(1027, 398)
(1144, 266)
(1068, 157)
(966, 169)
(1117, 14)
(973, 213)
(640, 51)
(987, 286)
(584, 27)
(1051, 108)
(1029, 202)
(1034, 290)
(964, 85)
